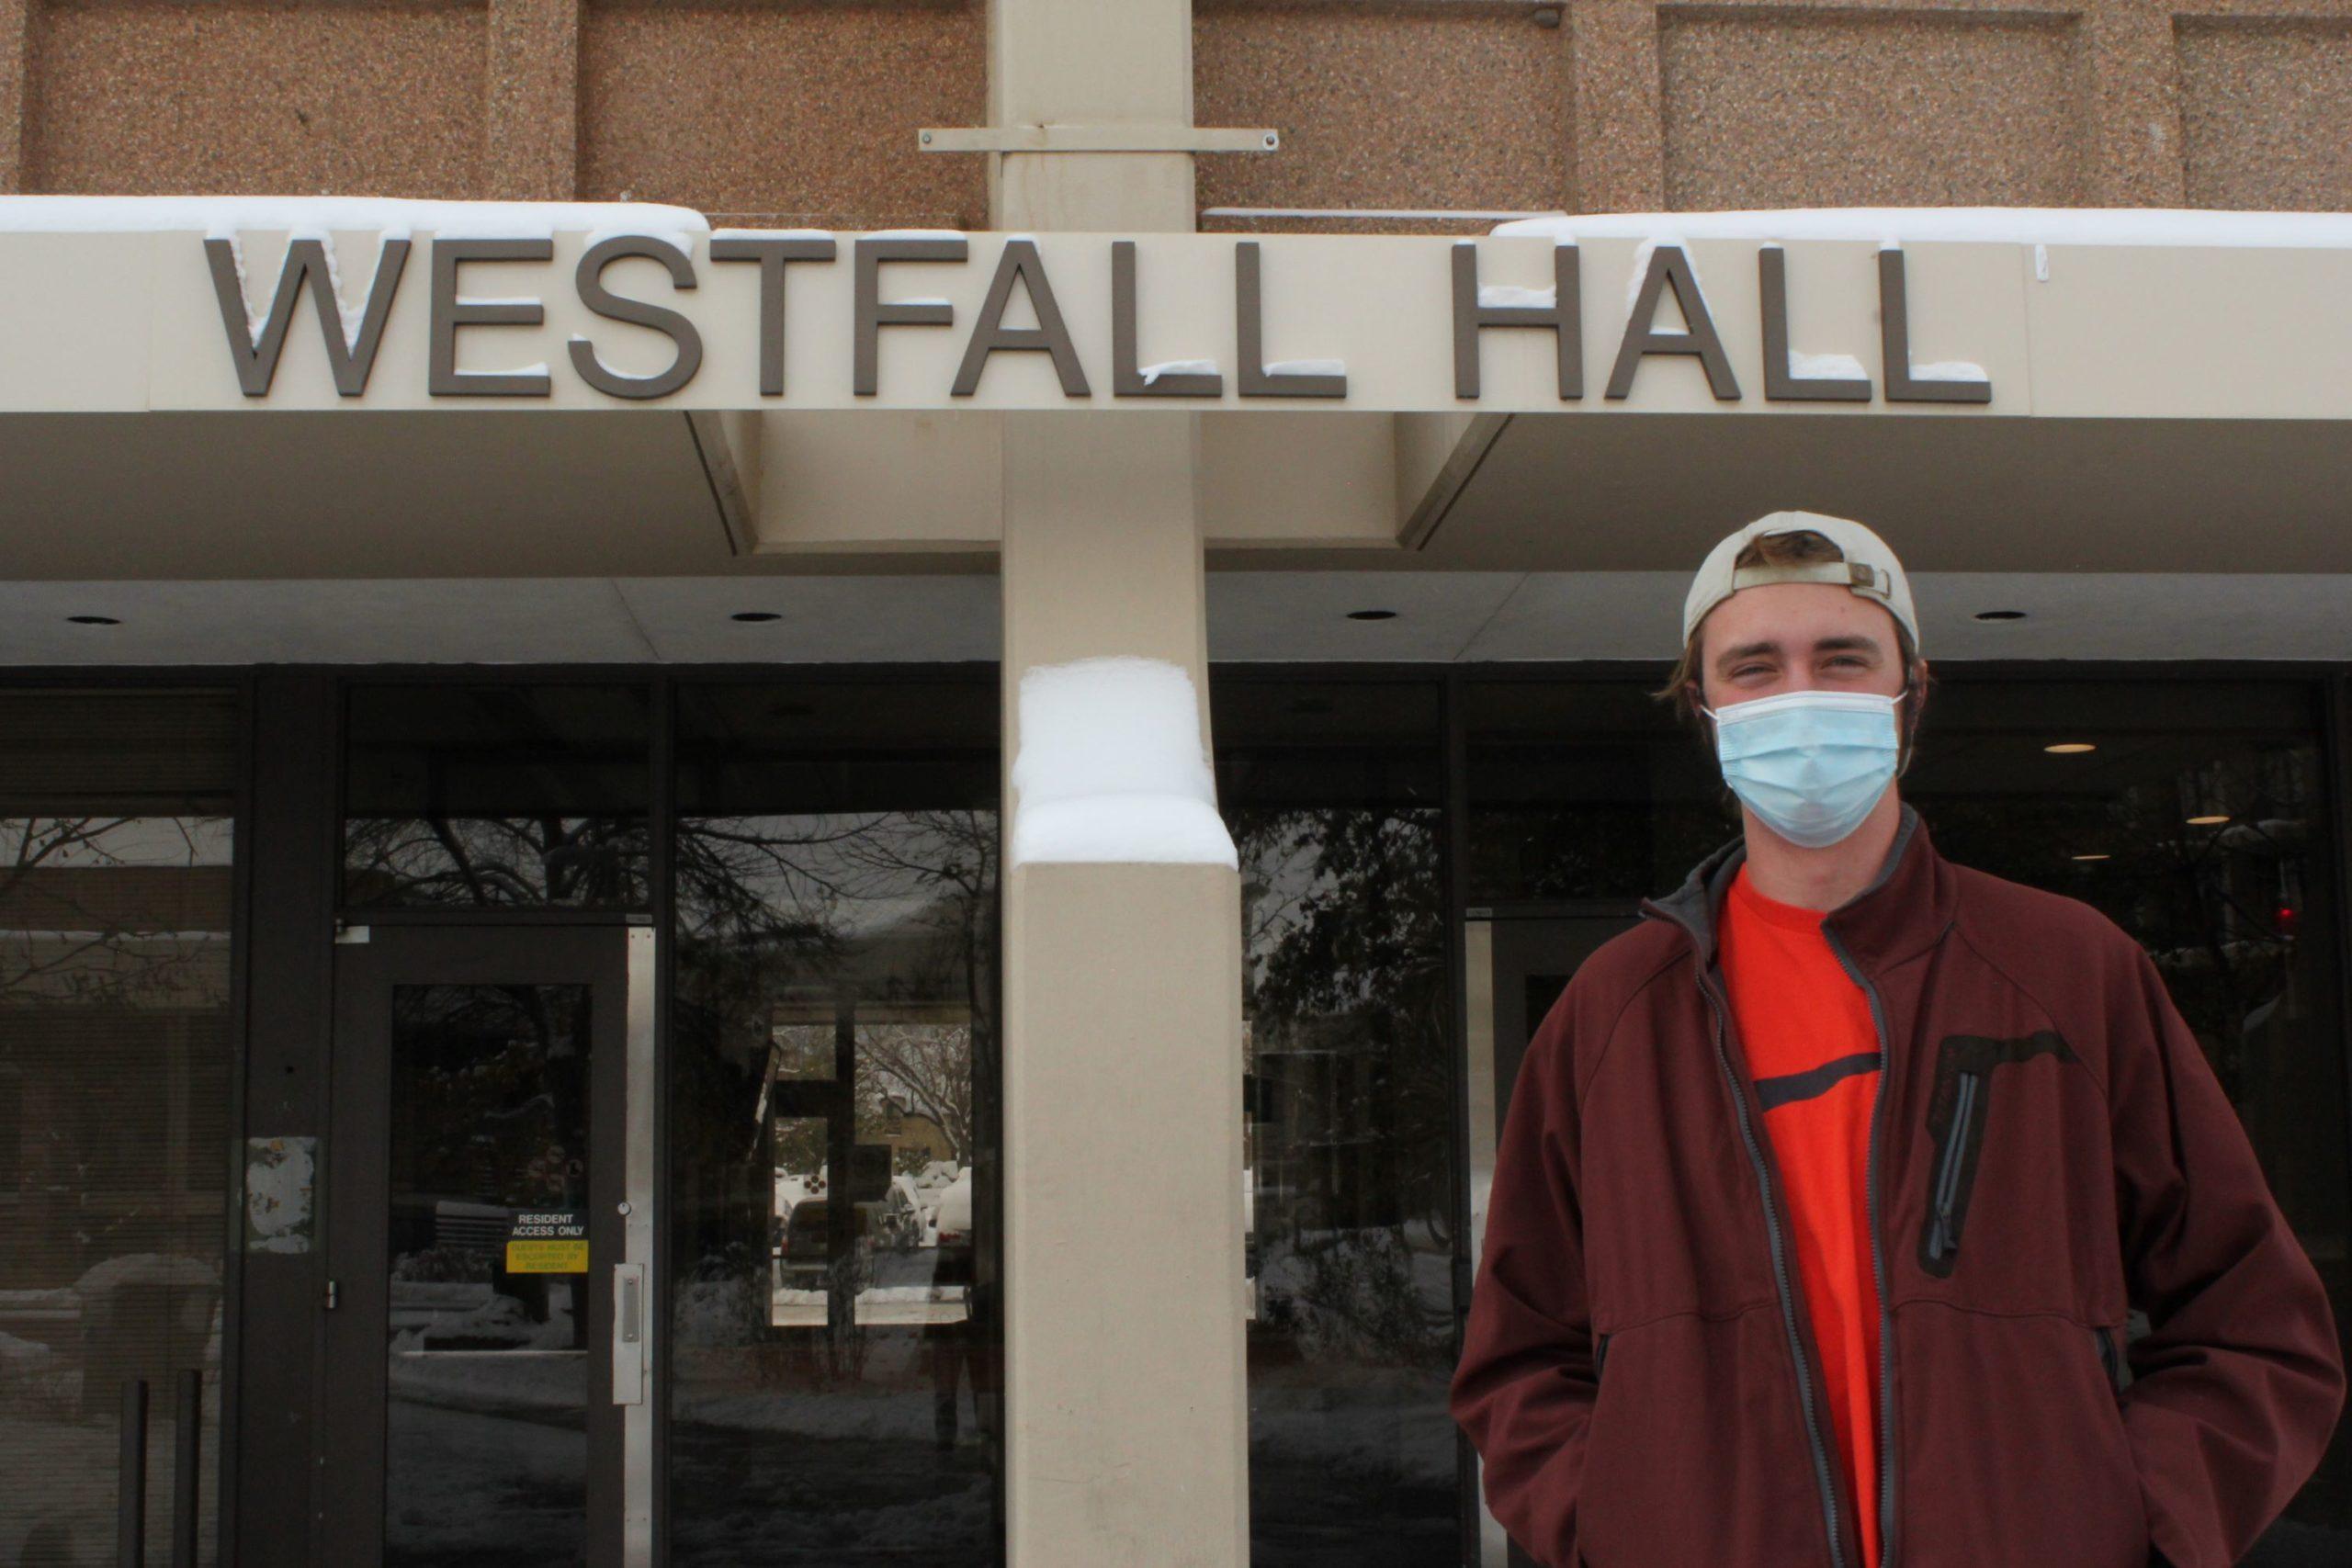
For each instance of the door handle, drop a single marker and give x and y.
(629, 1334)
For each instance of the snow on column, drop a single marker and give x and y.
(1110, 766)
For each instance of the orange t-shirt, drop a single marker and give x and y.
(1813, 1052)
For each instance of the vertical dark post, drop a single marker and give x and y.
(187, 1461)
(130, 1481)
(271, 1468)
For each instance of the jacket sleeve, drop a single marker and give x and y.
(1524, 1388)
(2238, 1383)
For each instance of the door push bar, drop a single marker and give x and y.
(629, 1334)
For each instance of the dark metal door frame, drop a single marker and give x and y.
(1506, 949)
(614, 960)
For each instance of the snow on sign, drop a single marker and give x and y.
(548, 1241)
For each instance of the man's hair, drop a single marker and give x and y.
(1801, 546)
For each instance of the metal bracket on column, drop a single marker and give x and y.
(1098, 139)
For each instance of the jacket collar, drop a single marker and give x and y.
(1907, 906)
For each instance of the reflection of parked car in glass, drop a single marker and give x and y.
(952, 1219)
(906, 1215)
(914, 1204)
(804, 1252)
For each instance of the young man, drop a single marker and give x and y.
(1826, 1193)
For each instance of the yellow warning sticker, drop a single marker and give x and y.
(561, 1256)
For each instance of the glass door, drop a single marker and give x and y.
(489, 1324)
(1518, 965)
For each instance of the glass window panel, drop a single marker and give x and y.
(497, 795)
(835, 1346)
(116, 873)
(1583, 790)
(1332, 791)
(486, 1442)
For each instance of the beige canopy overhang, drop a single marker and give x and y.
(246, 389)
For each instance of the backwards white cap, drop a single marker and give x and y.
(1869, 569)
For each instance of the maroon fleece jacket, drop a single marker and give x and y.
(2049, 1150)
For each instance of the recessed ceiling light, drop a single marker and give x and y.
(2209, 821)
(2090, 857)
(755, 615)
(2071, 747)
(2001, 614)
(94, 620)
(1372, 615)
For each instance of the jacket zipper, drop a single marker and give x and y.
(1878, 1261)
(1780, 1276)
(1968, 1089)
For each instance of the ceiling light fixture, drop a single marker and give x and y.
(2090, 857)
(94, 620)
(2210, 820)
(755, 615)
(2071, 747)
(1372, 615)
(2001, 614)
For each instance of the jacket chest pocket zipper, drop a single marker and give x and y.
(1944, 1221)
(1964, 1079)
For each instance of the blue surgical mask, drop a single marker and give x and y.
(1810, 764)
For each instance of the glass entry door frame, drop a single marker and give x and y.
(612, 964)
(1516, 960)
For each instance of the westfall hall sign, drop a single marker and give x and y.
(523, 307)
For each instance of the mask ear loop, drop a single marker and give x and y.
(1909, 734)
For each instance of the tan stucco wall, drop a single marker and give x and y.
(784, 115)
(805, 111)
(2266, 111)
(1450, 107)
(1896, 106)
(165, 99)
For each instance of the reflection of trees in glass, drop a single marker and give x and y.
(114, 987)
(821, 920)
(929, 1068)
(493, 1095)
(925, 1069)
(1350, 1009)
(921, 1068)
(496, 862)
(85, 927)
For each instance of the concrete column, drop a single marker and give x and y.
(533, 134)
(1126, 1411)
(1084, 62)
(16, 91)
(1614, 107)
